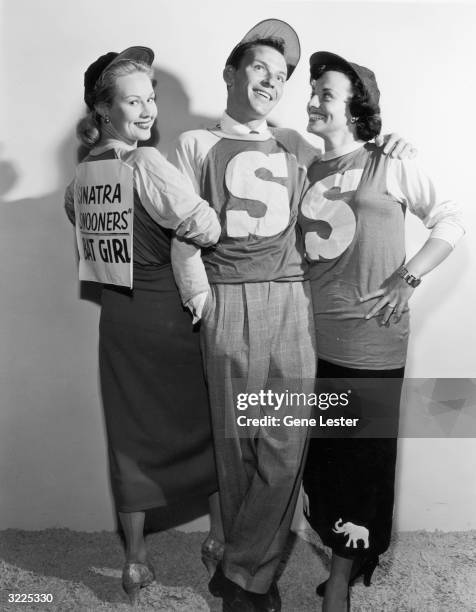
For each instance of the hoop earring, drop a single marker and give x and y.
(353, 119)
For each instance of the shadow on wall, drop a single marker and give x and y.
(8, 177)
(174, 116)
(49, 407)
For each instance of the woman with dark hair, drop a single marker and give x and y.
(352, 217)
(153, 391)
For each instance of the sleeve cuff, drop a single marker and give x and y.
(448, 231)
(196, 304)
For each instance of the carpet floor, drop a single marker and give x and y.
(422, 572)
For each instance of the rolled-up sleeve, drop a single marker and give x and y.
(409, 184)
(169, 199)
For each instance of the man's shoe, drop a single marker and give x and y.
(236, 599)
(274, 599)
(217, 584)
(270, 601)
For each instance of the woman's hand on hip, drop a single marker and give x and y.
(392, 297)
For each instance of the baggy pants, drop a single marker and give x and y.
(257, 336)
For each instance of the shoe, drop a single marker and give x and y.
(239, 600)
(134, 577)
(212, 554)
(366, 570)
(270, 601)
(235, 598)
(217, 584)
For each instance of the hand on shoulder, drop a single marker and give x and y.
(395, 146)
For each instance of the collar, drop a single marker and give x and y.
(233, 127)
(340, 151)
(112, 143)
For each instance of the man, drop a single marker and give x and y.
(257, 329)
(252, 297)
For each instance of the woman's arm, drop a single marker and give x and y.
(395, 292)
(413, 188)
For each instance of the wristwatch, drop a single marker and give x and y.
(411, 280)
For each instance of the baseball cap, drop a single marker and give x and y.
(274, 28)
(365, 75)
(92, 74)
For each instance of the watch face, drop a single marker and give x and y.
(413, 281)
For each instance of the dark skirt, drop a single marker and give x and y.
(154, 397)
(350, 481)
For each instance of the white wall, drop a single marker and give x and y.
(52, 468)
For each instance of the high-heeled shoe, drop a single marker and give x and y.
(212, 554)
(366, 569)
(135, 576)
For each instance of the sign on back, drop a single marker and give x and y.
(104, 207)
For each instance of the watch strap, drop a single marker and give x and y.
(410, 279)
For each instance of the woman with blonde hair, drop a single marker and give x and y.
(153, 391)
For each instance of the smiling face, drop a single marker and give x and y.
(257, 85)
(133, 109)
(328, 108)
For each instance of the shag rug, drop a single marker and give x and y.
(422, 572)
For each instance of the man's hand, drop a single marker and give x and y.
(395, 146)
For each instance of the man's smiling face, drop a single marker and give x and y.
(257, 85)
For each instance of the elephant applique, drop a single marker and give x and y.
(353, 532)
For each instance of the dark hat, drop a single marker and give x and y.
(92, 74)
(365, 76)
(274, 28)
